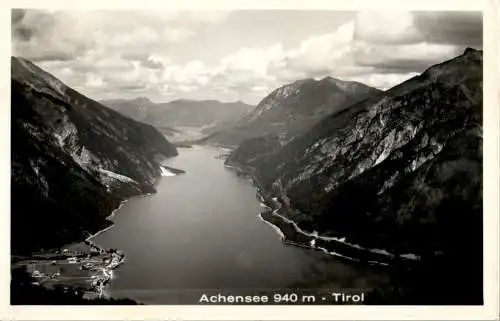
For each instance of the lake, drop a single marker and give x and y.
(201, 232)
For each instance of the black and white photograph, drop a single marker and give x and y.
(246, 157)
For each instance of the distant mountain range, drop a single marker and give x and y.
(73, 160)
(178, 118)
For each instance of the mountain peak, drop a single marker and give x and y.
(180, 100)
(470, 50)
(335, 81)
(332, 79)
(25, 71)
(142, 100)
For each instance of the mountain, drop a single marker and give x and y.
(252, 148)
(293, 108)
(72, 160)
(182, 115)
(202, 113)
(135, 108)
(400, 171)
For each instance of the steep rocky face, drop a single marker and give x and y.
(292, 109)
(73, 160)
(401, 171)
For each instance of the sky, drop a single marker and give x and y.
(235, 55)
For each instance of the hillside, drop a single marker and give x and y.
(292, 109)
(73, 160)
(183, 119)
(401, 172)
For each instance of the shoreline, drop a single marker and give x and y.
(166, 171)
(170, 171)
(97, 260)
(90, 237)
(291, 234)
(112, 214)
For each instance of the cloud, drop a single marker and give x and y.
(152, 64)
(94, 81)
(452, 27)
(321, 53)
(125, 54)
(177, 35)
(403, 58)
(76, 33)
(391, 27)
(434, 27)
(18, 29)
(384, 80)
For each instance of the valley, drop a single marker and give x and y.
(324, 184)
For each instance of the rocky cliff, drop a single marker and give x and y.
(73, 160)
(400, 172)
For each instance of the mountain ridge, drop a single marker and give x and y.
(400, 171)
(206, 116)
(73, 158)
(291, 109)
(343, 148)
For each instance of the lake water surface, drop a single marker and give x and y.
(201, 231)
